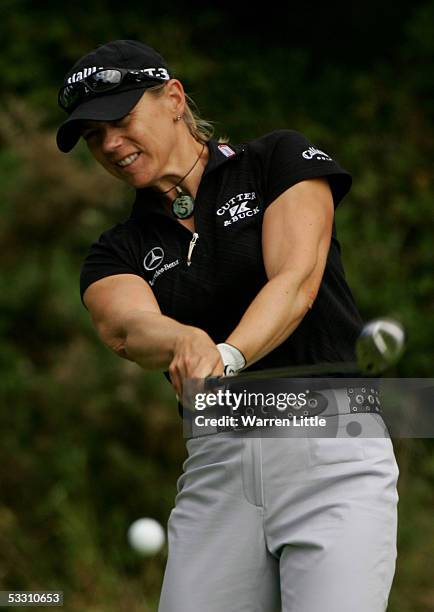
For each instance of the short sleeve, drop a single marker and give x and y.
(112, 253)
(288, 157)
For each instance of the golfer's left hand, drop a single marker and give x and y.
(195, 356)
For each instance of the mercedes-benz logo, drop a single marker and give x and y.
(154, 258)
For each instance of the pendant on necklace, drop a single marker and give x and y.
(182, 205)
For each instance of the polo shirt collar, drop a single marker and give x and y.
(220, 153)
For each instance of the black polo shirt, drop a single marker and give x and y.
(226, 270)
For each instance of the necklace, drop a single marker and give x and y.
(183, 204)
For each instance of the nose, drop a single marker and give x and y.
(111, 139)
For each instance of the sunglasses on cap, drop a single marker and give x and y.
(104, 80)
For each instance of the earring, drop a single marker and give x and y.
(178, 117)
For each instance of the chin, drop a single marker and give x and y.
(134, 180)
(139, 180)
(138, 183)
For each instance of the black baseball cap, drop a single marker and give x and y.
(116, 103)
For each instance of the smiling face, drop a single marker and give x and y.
(136, 149)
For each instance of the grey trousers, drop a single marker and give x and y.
(292, 524)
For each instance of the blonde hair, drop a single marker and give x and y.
(201, 129)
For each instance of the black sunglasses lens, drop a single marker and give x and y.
(69, 96)
(103, 80)
(98, 82)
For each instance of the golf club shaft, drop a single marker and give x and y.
(302, 371)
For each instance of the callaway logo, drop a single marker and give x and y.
(153, 258)
(239, 207)
(159, 73)
(316, 153)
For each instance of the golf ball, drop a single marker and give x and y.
(146, 536)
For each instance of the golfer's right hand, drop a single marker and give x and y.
(195, 356)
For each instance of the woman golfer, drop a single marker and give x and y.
(229, 260)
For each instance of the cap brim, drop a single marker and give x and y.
(109, 107)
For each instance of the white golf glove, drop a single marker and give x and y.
(233, 359)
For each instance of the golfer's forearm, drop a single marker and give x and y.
(149, 339)
(273, 315)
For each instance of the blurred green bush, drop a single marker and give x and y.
(89, 441)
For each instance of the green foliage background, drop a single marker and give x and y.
(90, 442)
